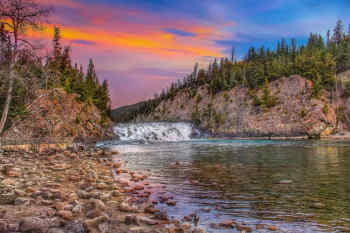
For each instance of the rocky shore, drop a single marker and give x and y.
(77, 192)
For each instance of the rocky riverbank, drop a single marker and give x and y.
(68, 192)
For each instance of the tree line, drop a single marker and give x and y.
(318, 60)
(23, 69)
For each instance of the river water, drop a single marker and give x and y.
(300, 186)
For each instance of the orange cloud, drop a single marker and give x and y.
(161, 43)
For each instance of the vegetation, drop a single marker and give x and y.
(319, 60)
(23, 71)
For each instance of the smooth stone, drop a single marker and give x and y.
(65, 214)
(147, 221)
(272, 228)
(286, 182)
(318, 205)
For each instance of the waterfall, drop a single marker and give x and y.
(156, 131)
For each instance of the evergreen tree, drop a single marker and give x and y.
(57, 48)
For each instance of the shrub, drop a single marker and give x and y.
(199, 98)
(325, 109)
(256, 101)
(196, 118)
(347, 89)
(302, 113)
(226, 96)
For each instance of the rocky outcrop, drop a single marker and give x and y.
(235, 112)
(57, 114)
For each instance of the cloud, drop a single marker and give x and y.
(178, 32)
(84, 42)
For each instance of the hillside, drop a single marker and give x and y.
(54, 113)
(238, 112)
(122, 114)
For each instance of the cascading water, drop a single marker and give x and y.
(156, 131)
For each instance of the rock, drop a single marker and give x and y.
(98, 204)
(227, 224)
(73, 197)
(13, 172)
(161, 216)
(68, 207)
(65, 214)
(30, 190)
(272, 228)
(106, 196)
(117, 165)
(139, 187)
(96, 208)
(171, 203)
(138, 230)
(123, 181)
(131, 220)
(8, 182)
(37, 225)
(60, 205)
(151, 210)
(3, 225)
(244, 228)
(101, 186)
(74, 227)
(20, 193)
(318, 205)
(83, 194)
(125, 207)
(286, 182)
(56, 230)
(22, 201)
(147, 221)
(77, 209)
(92, 225)
(7, 198)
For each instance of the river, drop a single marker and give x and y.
(299, 186)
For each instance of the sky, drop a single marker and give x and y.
(141, 46)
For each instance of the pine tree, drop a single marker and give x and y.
(338, 32)
(57, 48)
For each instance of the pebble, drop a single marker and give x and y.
(65, 214)
(286, 182)
(244, 228)
(147, 221)
(318, 205)
(272, 228)
(171, 203)
(227, 224)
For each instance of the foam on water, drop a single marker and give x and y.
(156, 131)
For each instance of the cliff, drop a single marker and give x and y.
(238, 112)
(55, 113)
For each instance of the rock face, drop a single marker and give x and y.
(233, 112)
(54, 113)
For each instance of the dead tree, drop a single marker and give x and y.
(17, 16)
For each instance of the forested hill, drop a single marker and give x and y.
(317, 62)
(52, 74)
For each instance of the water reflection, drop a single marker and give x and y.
(301, 186)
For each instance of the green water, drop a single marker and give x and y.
(300, 186)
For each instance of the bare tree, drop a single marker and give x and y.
(17, 16)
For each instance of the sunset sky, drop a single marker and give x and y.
(141, 46)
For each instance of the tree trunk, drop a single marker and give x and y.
(8, 100)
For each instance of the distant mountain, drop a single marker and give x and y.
(122, 114)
